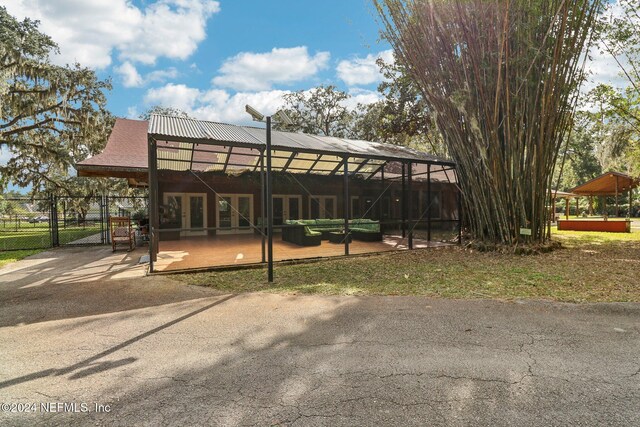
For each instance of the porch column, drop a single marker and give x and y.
(403, 210)
(566, 210)
(380, 204)
(410, 203)
(262, 207)
(429, 202)
(346, 205)
(154, 221)
(617, 206)
(630, 200)
(577, 206)
(269, 206)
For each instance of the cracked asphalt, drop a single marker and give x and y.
(161, 353)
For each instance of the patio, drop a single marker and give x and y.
(231, 250)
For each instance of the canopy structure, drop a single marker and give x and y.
(182, 145)
(202, 146)
(609, 184)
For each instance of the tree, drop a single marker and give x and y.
(52, 116)
(501, 78)
(402, 117)
(166, 111)
(319, 111)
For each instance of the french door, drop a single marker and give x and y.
(188, 210)
(286, 208)
(322, 207)
(234, 213)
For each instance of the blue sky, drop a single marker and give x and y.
(212, 57)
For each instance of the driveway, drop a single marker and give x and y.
(149, 351)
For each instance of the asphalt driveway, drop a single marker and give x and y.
(134, 350)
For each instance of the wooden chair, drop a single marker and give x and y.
(122, 232)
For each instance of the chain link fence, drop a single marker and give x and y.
(64, 221)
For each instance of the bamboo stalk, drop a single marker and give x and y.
(501, 77)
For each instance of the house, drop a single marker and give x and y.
(207, 179)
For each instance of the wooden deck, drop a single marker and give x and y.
(230, 250)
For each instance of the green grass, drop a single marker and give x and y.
(592, 267)
(13, 256)
(37, 235)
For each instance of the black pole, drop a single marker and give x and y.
(429, 200)
(460, 208)
(262, 207)
(381, 204)
(346, 205)
(107, 215)
(410, 200)
(102, 221)
(269, 206)
(403, 210)
(154, 223)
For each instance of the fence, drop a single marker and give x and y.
(63, 221)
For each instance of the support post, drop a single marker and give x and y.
(103, 234)
(381, 203)
(269, 206)
(262, 208)
(429, 202)
(617, 205)
(566, 210)
(410, 203)
(154, 221)
(403, 210)
(346, 204)
(630, 199)
(459, 212)
(107, 215)
(577, 206)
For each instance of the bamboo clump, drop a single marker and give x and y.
(501, 79)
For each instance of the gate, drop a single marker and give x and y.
(64, 221)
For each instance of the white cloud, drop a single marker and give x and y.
(91, 32)
(221, 105)
(602, 66)
(363, 71)
(173, 95)
(131, 77)
(361, 96)
(215, 104)
(132, 112)
(260, 71)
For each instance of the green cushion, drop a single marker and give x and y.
(309, 232)
(365, 230)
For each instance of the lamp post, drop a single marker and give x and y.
(259, 117)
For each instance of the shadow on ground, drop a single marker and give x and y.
(273, 360)
(83, 281)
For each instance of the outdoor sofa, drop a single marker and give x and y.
(304, 231)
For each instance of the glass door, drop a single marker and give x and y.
(186, 211)
(294, 207)
(235, 213)
(278, 210)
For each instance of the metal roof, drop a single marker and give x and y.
(170, 128)
(607, 184)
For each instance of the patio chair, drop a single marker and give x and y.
(122, 232)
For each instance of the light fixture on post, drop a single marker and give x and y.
(281, 117)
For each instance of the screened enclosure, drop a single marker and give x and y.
(215, 189)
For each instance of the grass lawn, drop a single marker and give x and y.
(592, 267)
(12, 256)
(29, 236)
